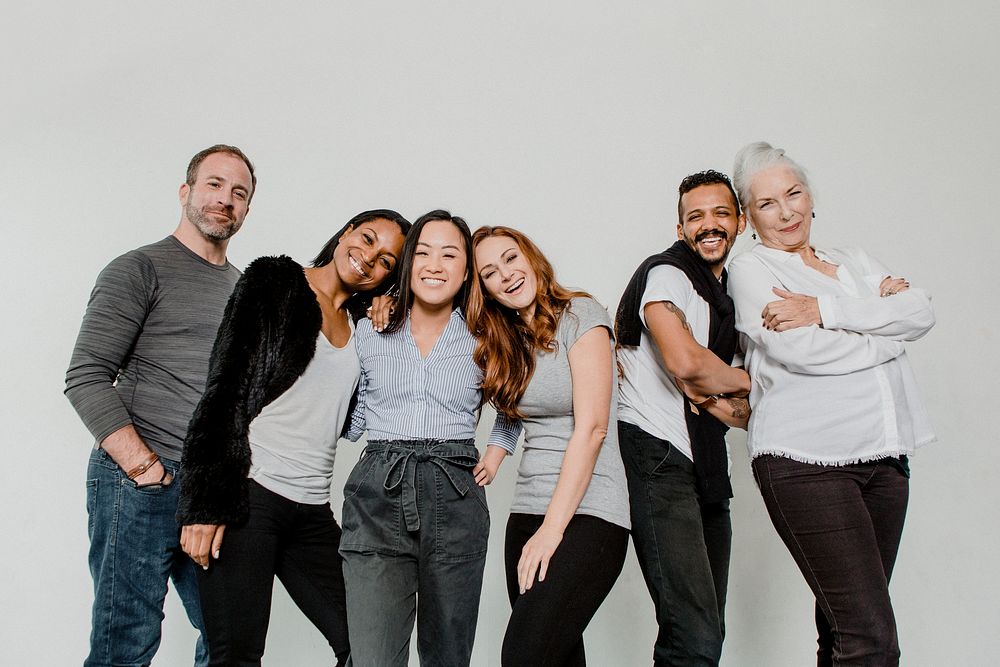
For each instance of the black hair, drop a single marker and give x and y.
(405, 300)
(707, 177)
(359, 302)
(199, 157)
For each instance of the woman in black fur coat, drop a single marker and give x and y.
(258, 457)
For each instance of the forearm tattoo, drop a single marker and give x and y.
(739, 406)
(680, 315)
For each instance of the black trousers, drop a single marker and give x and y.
(683, 546)
(296, 542)
(547, 622)
(842, 525)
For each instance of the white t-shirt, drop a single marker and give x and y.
(649, 398)
(293, 441)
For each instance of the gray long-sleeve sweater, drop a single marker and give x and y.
(142, 354)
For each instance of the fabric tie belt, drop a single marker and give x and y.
(405, 455)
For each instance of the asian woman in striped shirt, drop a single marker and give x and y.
(416, 523)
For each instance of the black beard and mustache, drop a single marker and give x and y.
(709, 234)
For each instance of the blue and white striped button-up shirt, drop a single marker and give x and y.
(404, 396)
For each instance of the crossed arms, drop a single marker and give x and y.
(709, 383)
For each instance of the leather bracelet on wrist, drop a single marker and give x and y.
(158, 482)
(142, 467)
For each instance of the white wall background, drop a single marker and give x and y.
(573, 121)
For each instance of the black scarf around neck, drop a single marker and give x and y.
(707, 434)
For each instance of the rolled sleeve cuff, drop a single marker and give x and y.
(505, 433)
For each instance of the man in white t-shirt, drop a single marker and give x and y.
(680, 522)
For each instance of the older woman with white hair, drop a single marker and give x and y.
(836, 409)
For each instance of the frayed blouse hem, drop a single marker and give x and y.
(868, 458)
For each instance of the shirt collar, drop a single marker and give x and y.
(783, 255)
(456, 314)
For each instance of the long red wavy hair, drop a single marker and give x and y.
(506, 346)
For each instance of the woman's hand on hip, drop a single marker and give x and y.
(535, 556)
(201, 539)
(791, 311)
(486, 470)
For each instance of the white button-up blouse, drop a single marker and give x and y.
(838, 393)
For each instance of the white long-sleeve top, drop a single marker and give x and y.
(838, 393)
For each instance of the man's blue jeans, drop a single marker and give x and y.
(134, 549)
(683, 547)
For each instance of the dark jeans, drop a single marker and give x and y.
(134, 549)
(683, 548)
(296, 542)
(546, 623)
(842, 525)
(416, 526)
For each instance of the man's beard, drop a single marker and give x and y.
(713, 260)
(209, 227)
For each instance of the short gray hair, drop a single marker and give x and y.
(756, 157)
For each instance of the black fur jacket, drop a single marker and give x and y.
(266, 341)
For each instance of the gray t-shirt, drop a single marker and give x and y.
(293, 441)
(547, 406)
(142, 354)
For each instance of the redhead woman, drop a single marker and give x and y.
(835, 407)
(416, 523)
(255, 499)
(548, 359)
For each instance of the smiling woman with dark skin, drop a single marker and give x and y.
(835, 407)
(260, 450)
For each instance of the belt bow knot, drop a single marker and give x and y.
(403, 467)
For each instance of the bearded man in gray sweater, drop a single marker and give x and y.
(137, 372)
